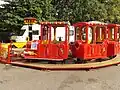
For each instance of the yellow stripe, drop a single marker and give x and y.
(17, 44)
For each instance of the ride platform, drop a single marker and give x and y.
(85, 66)
(16, 59)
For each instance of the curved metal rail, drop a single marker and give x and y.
(85, 66)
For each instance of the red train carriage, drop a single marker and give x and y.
(49, 47)
(113, 40)
(90, 41)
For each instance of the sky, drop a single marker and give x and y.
(1, 2)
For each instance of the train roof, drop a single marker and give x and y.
(55, 23)
(96, 23)
(89, 23)
(113, 25)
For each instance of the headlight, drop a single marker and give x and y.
(13, 37)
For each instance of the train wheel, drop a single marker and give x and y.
(99, 60)
(81, 61)
(51, 62)
(68, 61)
(13, 46)
(111, 57)
(24, 46)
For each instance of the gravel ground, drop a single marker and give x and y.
(18, 78)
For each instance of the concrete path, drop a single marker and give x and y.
(18, 78)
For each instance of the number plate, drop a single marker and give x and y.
(34, 45)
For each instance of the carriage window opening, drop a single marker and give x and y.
(118, 34)
(45, 33)
(58, 34)
(90, 34)
(77, 29)
(112, 33)
(83, 33)
(71, 33)
(67, 32)
(53, 33)
(100, 34)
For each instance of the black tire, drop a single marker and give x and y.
(13, 46)
(81, 61)
(111, 57)
(51, 62)
(24, 46)
(69, 61)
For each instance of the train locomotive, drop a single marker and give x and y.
(92, 41)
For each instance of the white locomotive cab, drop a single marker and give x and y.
(36, 31)
(24, 33)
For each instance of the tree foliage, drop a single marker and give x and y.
(80, 10)
(113, 10)
(12, 13)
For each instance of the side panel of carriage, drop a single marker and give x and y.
(50, 47)
(90, 41)
(113, 37)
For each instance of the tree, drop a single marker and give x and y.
(113, 10)
(80, 10)
(12, 14)
(63, 9)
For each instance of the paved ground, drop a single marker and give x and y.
(17, 78)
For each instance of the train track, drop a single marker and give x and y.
(84, 66)
(81, 66)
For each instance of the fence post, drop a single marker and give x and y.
(0, 49)
(9, 50)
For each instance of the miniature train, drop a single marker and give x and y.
(91, 41)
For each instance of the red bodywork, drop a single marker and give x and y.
(106, 47)
(113, 39)
(92, 41)
(82, 49)
(46, 48)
